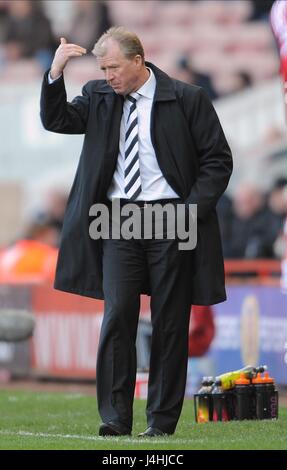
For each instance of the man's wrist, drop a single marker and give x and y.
(55, 73)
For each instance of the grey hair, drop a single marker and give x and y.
(129, 43)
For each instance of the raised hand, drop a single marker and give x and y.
(62, 55)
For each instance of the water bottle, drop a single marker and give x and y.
(243, 398)
(203, 401)
(266, 397)
(272, 394)
(221, 400)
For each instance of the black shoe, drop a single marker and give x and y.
(152, 432)
(113, 429)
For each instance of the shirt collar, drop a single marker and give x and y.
(148, 88)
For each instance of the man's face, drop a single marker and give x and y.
(121, 73)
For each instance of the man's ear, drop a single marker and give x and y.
(139, 60)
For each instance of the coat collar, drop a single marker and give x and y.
(164, 87)
(164, 90)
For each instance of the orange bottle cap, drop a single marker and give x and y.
(242, 380)
(267, 379)
(258, 379)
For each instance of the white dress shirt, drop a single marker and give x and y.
(154, 185)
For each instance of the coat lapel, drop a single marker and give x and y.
(113, 115)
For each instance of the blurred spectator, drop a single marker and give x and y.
(278, 198)
(3, 28)
(261, 9)
(225, 214)
(254, 227)
(233, 82)
(216, 86)
(187, 74)
(28, 33)
(4, 15)
(244, 80)
(55, 202)
(34, 257)
(91, 20)
(277, 202)
(43, 231)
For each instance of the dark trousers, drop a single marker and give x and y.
(126, 264)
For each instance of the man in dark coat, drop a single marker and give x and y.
(176, 152)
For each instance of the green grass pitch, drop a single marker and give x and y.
(37, 420)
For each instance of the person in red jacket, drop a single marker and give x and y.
(201, 331)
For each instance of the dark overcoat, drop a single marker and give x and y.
(191, 151)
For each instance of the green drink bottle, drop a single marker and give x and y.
(228, 379)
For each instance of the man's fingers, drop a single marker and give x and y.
(64, 52)
(76, 48)
(75, 54)
(72, 52)
(73, 47)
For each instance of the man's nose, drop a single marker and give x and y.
(109, 75)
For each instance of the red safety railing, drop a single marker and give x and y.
(264, 270)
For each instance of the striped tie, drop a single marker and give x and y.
(132, 168)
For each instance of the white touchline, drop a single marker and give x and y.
(47, 435)
(87, 438)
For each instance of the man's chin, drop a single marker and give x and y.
(118, 91)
